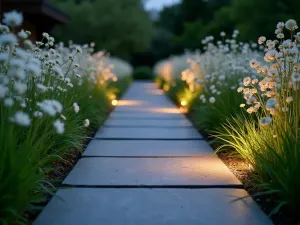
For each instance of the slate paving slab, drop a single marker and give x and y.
(151, 207)
(147, 133)
(148, 109)
(199, 171)
(147, 148)
(145, 115)
(148, 123)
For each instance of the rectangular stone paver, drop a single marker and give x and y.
(147, 109)
(147, 133)
(91, 206)
(145, 115)
(148, 123)
(146, 148)
(198, 171)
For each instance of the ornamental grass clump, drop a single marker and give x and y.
(269, 138)
(50, 97)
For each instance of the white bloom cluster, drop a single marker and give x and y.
(170, 69)
(277, 80)
(215, 70)
(36, 79)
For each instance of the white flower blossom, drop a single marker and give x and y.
(41, 87)
(50, 107)
(212, 100)
(8, 39)
(21, 119)
(22, 34)
(76, 107)
(59, 126)
(261, 40)
(280, 25)
(265, 121)
(63, 117)
(20, 87)
(291, 25)
(86, 123)
(8, 102)
(289, 99)
(3, 29)
(46, 35)
(13, 19)
(3, 57)
(271, 103)
(247, 81)
(280, 36)
(78, 49)
(38, 114)
(240, 89)
(33, 69)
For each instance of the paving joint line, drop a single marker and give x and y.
(146, 126)
(223, 186)
(146, 157)
(145, 118)
(150, 139)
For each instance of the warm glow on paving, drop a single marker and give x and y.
(155, 92)
(129, 103)
(183, 110)
(208, 169)
(165, 110)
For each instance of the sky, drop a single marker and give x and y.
(159, 4)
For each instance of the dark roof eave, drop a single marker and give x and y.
(43, 8)
(55, 13)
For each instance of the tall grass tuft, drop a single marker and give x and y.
(51, 97)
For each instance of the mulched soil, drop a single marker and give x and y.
(240, 169)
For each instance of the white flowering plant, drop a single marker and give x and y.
(264, 129)
(269, 138)
(222, 66)
(50, 97)
(212, 77)
(169, 72)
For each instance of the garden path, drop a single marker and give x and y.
(149, 166)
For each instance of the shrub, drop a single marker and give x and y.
(143, 73)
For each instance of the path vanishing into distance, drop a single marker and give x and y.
(148, 165)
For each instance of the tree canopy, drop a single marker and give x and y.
(125, 29)
(120, 27)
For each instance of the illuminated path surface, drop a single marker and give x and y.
(149, 166)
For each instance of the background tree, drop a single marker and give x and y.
(124, 28)
(256, 17)
(120, 27)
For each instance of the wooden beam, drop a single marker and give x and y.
(1, 9)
